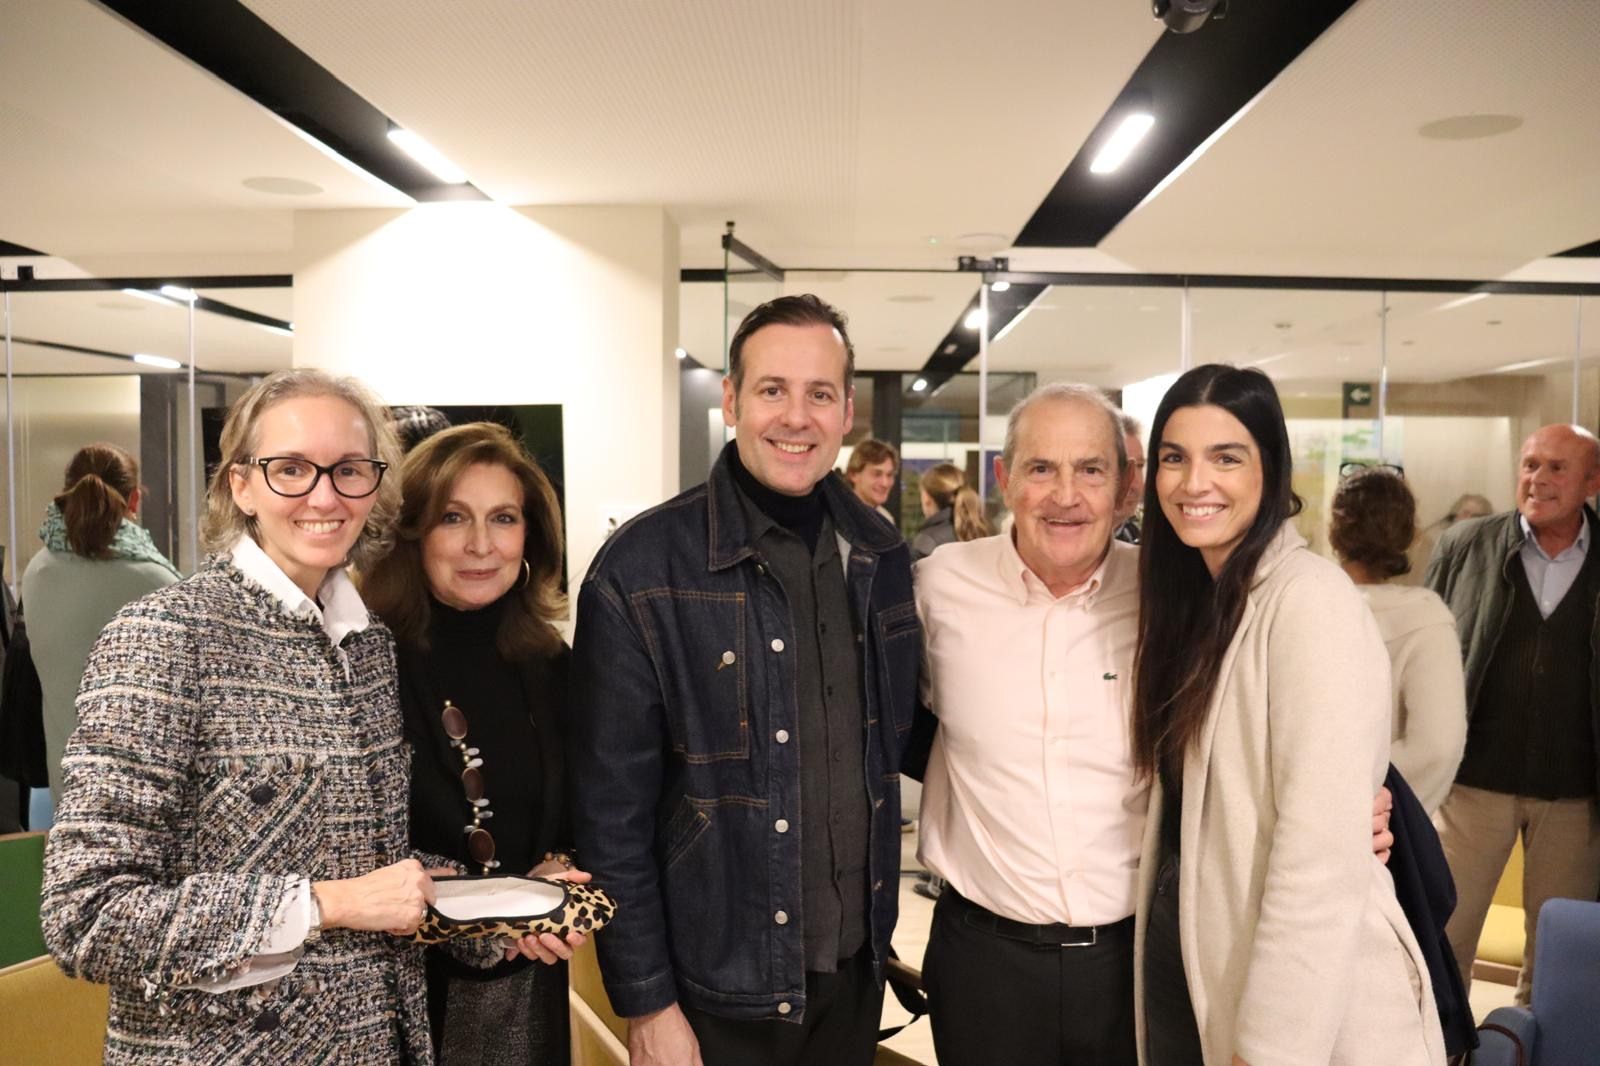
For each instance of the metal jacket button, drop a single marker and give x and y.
(777, 645)
(781, 825)
(781, 736)
(782, 917)
(784, 1008)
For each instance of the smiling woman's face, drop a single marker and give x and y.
(1209, 480)
(474, 555)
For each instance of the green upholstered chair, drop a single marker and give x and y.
(21, 871)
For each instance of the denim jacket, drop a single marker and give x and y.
(685, 748)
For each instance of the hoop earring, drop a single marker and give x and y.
(527, 574)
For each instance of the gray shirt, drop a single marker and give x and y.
(835, 816)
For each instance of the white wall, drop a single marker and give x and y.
(484, 304)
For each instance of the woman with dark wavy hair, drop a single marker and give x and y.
(472, 591)
(1268, 931)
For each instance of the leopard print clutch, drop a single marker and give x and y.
(509, 906)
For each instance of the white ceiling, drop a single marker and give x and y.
(1327, 174)
(833, 131)
(115, 149)
(849, 131)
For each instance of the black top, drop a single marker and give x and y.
(514, 715)
(1531, 731)
(800, 515)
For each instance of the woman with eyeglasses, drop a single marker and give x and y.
(1268, 932)
(472, 592)
(230, 852)
(1374, 520)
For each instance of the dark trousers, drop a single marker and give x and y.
(840, 1027)
(1005, 992)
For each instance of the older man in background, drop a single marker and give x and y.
(1524, 586)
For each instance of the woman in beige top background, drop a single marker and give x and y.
(1374, 519)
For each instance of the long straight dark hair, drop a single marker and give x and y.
(1187, 619)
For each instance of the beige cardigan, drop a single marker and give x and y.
(1296, 952)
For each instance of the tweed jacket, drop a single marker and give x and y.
(1295, 948)
(225, 749)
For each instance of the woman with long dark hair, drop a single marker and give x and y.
(1268, 930)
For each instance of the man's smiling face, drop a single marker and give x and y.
(792, 409)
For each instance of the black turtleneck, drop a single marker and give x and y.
(463, 665)
(800, 515)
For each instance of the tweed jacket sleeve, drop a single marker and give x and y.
(122, 903)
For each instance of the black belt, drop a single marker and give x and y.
(1054, 935)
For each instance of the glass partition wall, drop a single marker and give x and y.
(1444, 380)
(90, 361)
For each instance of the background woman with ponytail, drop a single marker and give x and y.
(953, 511)
(96, 559)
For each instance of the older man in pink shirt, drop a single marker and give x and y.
(1030, 812)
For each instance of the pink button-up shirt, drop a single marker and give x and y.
(1029, 807)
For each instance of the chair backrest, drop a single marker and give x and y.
(1566, 974)
(48, 1018)
(584, 978)
(21, 873)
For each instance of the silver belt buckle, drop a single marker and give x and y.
(1094, 936)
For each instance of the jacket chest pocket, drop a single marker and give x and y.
(698, 643)
(262, 816)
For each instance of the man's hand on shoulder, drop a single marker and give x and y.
(662, 1039)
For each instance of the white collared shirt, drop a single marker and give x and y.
(341, 613)
(1550, 579)
(1029, 807)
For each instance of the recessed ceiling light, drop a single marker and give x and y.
(152, 297)
(1468, 127)
(974, 319)
(429, 156)
(157, 360)
(950, 349)
(279, 330)
(179, 293)
(681, 353)
(282, 186)
(1462, 301)
(1120, 145)
(1283, 325)
(919, 385)
(1000, 286)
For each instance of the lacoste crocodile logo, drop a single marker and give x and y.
(1108, 677)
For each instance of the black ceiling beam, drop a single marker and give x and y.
(8, 248)
(233, 43)
(101, 353)
(1192, 83)
(960, 345)
(1582, 251)
(1269, 281)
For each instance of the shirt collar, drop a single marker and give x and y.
(1020, 580)
(341, 612)
(1581, 544)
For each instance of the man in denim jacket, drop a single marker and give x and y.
(746, 652)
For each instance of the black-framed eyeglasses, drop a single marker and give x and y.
(292, 476)
(1356, 466)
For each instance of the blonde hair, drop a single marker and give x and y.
(224, 522)
(946, 486)
(396, 586)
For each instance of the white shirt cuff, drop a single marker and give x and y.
(278, 951)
